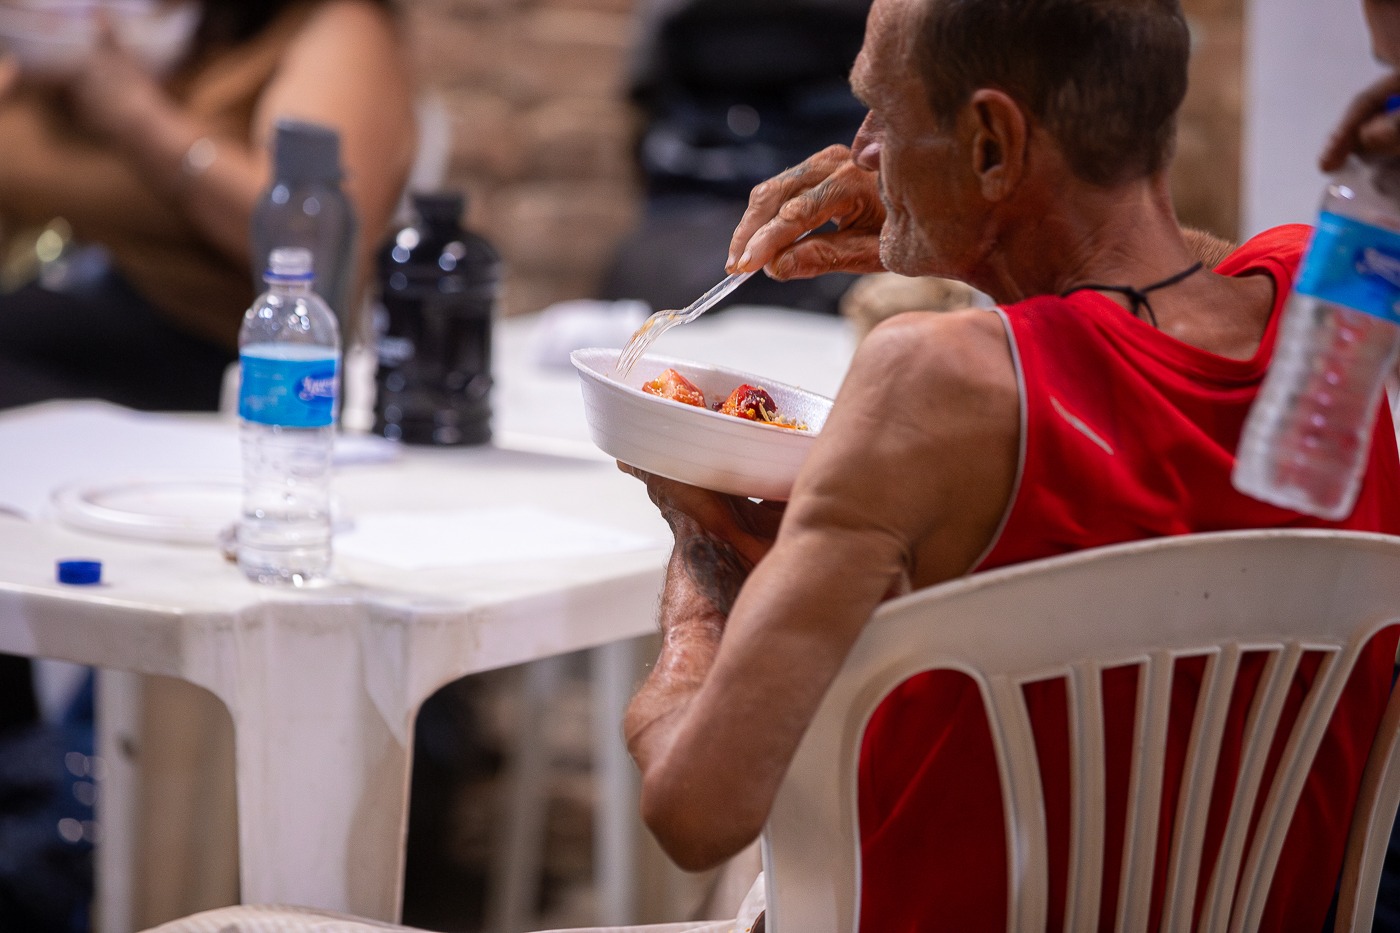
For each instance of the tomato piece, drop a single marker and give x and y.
(676, 387)
(749, 402)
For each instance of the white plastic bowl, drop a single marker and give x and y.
(691, 444)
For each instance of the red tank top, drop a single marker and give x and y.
(1127, 434)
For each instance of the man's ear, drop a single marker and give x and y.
(999, 132)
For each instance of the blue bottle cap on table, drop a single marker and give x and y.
(1392, 103)
(80, 572)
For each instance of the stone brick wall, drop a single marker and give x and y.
(541, 132)
(1206, 175)
(542, 135)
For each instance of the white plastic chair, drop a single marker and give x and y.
(262, 918)
(1148, 604)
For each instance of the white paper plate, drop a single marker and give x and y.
(171, 509)
(691, 444)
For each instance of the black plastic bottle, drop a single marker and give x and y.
(305, 206)
(438, 287)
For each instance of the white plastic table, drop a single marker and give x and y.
(323, 685)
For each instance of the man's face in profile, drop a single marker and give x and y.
(923, 184)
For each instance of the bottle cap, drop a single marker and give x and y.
(290, 262)
(440, 209)
(305, 151)
(80, 572)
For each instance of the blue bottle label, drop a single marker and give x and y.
(1353, 264)
(288, 385)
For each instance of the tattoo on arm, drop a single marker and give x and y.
(716, 569)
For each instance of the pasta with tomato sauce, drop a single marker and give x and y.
(749, 402)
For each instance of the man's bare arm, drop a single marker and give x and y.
(1366, 127)
(718, 540)
(911, 476)
(703, 578)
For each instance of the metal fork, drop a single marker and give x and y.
(662, 321)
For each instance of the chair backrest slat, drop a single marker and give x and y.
(1197, 782)
(1376, 804)
(1086, 828)
(1264, 714)
(1145, 792)
(1024, 799)
(1256, 601)
(1287, 785)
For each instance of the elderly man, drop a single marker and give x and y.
(1021, 146)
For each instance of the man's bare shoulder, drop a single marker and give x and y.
(921, 447)
(929, 361)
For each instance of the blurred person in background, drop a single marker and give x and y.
(730, 92)
(155, 154)
(129, 170)
(1371, 125)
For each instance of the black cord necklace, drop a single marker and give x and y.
(1137, 297)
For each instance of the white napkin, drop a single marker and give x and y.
(472, 537)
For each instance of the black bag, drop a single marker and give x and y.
(735, 91)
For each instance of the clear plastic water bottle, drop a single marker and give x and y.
(1308, 435)
(438, 286)
(305, 206)
(288, 353)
